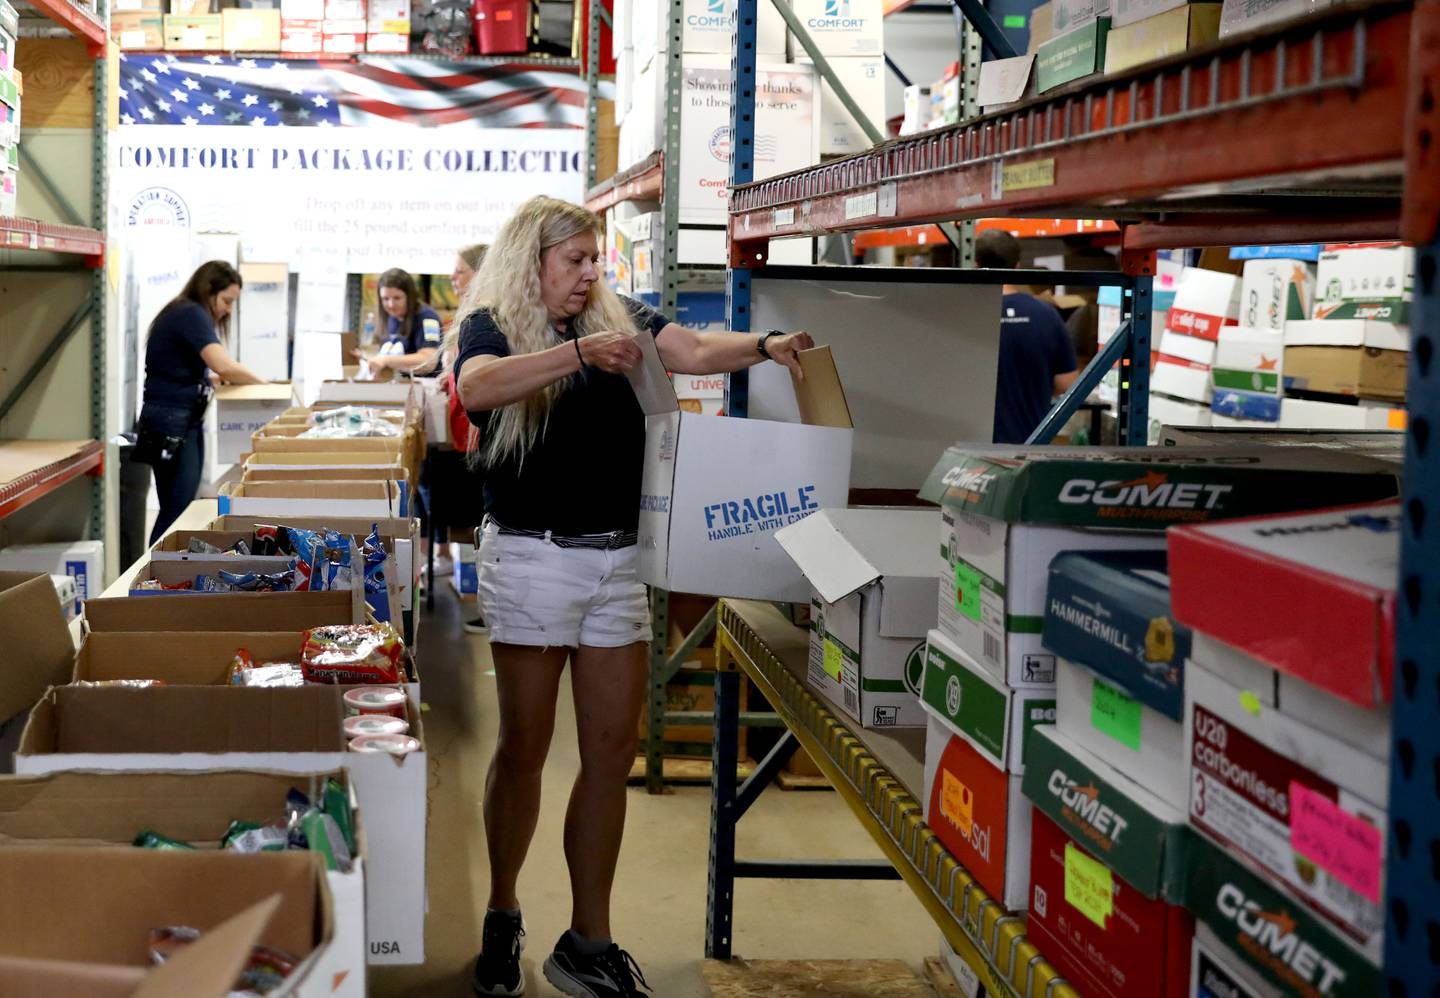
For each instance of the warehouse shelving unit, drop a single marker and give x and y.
(1320, 130)
(38, 248)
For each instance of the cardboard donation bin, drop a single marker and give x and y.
(221, 612)
(316, 498)
(47, 654)
(98, 810)
(871, 571)
(284, 730)
(716, 489)
(1311, 594)
(78, 921)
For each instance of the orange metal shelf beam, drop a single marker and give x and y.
(51, 237)
(81, 22)
(1268, 127)
(642, 182)
(1021, 228)
(15, 495)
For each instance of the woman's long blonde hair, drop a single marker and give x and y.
(507, 286)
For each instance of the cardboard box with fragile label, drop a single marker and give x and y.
(1302, 805)
(79, 921)
(1110, 611)
(715, 490)
(1106, 937)
(994, 718)
(1327, 578)
(1009, 511)
(979, 814)
(1278, 938)
(872, 574)
(65, 810)
(286, 730)
(1128, 734)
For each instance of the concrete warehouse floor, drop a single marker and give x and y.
(659, 904)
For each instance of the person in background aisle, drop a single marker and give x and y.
(463, 478)
(543, 349)
(412, 342)
(1037, 358)
(185, 340)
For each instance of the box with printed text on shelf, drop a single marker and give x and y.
(872, 603)
(1216, 971)
(1007, 512)
(1359, 357)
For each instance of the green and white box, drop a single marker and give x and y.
(1274, 292)
(1250, 359)
(994, 718)
(873, 600)
(1135, 739)
(1365, 282)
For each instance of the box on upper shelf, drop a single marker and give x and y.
(251, 30)
(1205, 300)
(863, 77)
(1071, 55)
(708, 27)
(303, 10)
(1250, 15)
(138, 31)
(1161, 35)
(1274, 292)
(1067, 15)
(194, 33)
(302, 37)
(841, 27)
(873, 581)
(1365, 282)
(393, 42)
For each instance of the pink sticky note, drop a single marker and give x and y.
(1341, 844)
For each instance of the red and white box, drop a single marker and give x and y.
(302, 10)
(344, 44)
(391, 42)
(1195, 349)
(1106, 937)
(1311, 594)
(1205, 300)
(346, 10)
(302, 37)
(1182, 378)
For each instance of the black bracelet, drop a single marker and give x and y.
(764, 337)
(577, 351)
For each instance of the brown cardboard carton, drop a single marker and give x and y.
(1364, 371)
(220, 612)
(39, 651)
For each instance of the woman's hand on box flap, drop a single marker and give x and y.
(614, 353)
(784, 350)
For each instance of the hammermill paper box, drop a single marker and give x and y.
(1299, 803)
(1007, 512)
(715, 489)
(979, 814)
(995, 719)
(1278, 939)
(873, 601)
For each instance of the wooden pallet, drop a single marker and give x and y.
(803, 978)
(681, 770)
(940, 978)
(801, 781)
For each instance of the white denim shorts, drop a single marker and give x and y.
(533, 592)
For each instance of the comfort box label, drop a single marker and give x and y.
(1279, 938)
(1264, 804)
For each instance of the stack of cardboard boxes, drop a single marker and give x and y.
(1206, 301)
(1248, 373)
(11, 89)
(297, 28)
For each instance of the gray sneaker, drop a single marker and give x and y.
(611, 974)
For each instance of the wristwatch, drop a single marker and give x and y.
(764, 338)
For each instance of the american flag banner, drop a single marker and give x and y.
(268, 92)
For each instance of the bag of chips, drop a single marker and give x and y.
(359, 654)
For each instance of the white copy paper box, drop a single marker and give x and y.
(715, 489)
(863, 77)
(842, 27)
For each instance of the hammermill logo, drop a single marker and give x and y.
(1084, 801)
(1273, 938)
(1151, 490)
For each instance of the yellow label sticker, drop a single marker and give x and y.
(957, 802)
(1250, 702)
(1089, 885)
(1027, 176)
(834, 660)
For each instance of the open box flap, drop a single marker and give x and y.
(211, 964)
(42, 651)
(820, 395)
(843, 550)
(653, 388)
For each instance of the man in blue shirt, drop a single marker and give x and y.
(1037, 358)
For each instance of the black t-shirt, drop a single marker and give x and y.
(424, 332)
(583, 474)
(1034, 347)
(172, 353)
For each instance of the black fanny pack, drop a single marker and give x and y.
(162, 427)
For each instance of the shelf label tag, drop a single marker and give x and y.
(888, 201)
(1089, 885)
(1114, 713)
(1027, 176)
(784, 216)
(861, 205)
(1346, 847)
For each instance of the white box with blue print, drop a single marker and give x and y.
(716, 489)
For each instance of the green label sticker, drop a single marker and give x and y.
(1115, 714)
(967, 590)
(834, 660)
(1014, 21)
(1089, 886)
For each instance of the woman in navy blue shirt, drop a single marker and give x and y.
(185, 341)
(412, 342)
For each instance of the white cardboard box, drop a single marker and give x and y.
(1182, 379)
(83, 561)
(1204, 301)
(264, 320)
(1165, 411)
(1250, 359)
(1347, 333)
(1137, 740)
(715, 489)
(1306, 414)
(241, 410)
(1274, 292)
(1012, 565)
(76, 728)
(708, 28)
(873, 602)
(1191, 348)
(841, 27)
(864, 78)
(382, 500)
(1365, 282)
